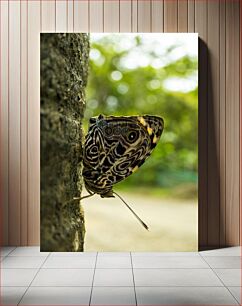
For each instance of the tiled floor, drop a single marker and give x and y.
(29, 277)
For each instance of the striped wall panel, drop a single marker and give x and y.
(217, 23)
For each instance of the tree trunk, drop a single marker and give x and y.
(64, 70)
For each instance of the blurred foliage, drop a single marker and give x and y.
(120, 86)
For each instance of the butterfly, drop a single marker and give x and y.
(115, 147)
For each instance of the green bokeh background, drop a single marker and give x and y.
(121, 86)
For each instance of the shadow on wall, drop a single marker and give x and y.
(208, 152)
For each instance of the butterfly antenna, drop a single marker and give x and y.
(142, 222)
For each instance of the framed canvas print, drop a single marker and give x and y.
(119, 142)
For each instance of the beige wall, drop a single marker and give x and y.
(217, 23)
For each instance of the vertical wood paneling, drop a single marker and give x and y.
(171, 15)
(201, 28)
(81, 15)
(4, 122)
(240, 131)
(70, 15)
(33, 122)
(23, 125)
(182, 16)
(222, 128)
(48, 16)
(96, 16)
(232, 122)
(191, 16)
(144, 16)
(61, 16)
(213, 124)
(157, 16)
(14, 122)
(134, 20)
(111, 16)
(125, 16)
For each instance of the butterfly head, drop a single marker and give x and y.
(97, 119)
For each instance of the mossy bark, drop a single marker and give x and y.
(64, 70)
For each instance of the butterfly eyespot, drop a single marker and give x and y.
(117, 130)
(108, 131)
(132, 136)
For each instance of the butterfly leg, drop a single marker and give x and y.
(80, 198)
(85, 197)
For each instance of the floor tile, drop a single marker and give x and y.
(11, 295)
(64, 277)
(70, 262)
(169, 262)
(184, 296)
(17, 277)
(231, 251)
(165, 254)
(113, 296)
(236, 292)
(113, 277)
(4, 251)
(23, 262)
(231, 262)
(57, 296)
(28, 251)
(73, 254)
(117, 254)
(175, 277)
(113, 262)
(230, 277)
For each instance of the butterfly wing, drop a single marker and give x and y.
(115, 147)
